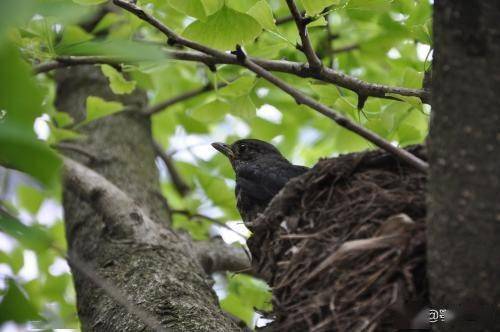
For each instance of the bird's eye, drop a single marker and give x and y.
(243, 148)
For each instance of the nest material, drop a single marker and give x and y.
(343, 246)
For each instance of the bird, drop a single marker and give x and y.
(261, 171)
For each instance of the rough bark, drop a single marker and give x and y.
(464, 148)
(164, 279)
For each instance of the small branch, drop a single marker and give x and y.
(75, 148)
(216, 256)
(307, 48)
(180, 185)
(284, 19)
(210, 219)
(347, 48)
(180, 98)
(295, 93)
(68, 61)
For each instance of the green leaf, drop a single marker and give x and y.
(245, 294)
(28, 155)
(240, 87)
(328, 94)
(32, 237)
(263, 13)
(224, 30)
(20, 104)
(107, 21)
(74, 34)
(413, 78)
(125, 50)
(408, 134)
(369, 5)
(212, 6)
(118, 84)
(89, 2)
(413, 101)
(235, 306)
(211, 112)
(198, 229)
(243, 107)
(98, 108)
(194, 8)
(16, 307)
(60, 134)
(320, 22)
(30, 198)
(61, 119)
(314, 7)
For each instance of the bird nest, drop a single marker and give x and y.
(343, 246)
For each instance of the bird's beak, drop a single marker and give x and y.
(225, 149)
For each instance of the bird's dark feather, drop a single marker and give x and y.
(257, 183)
(261, 172)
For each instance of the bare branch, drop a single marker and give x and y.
(210, 219)
(284, 19)
(346, 48)
(307, 48)
(180, 185)
(295, 68)
(296, 94)
(180, 98)
(68, 61)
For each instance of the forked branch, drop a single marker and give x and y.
(299, 97)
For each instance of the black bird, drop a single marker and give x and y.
(261, 171)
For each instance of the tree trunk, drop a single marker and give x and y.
(464, 148)
(164, 280)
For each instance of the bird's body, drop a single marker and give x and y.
(261, 171)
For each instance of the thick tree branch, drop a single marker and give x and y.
(307, 48)
(113, 292)
(180, 185)
(296, 94)
(217, 256)
(120, 212)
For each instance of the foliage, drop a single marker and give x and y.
(393, 43)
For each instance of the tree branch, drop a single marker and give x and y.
(328, 75)
(296, 94)
(68, 61)
(295, 68)
(216, 256)
(307, 48)
(113, 292)
(120, 212)
(180, 185)
(210, 219)
(180, 98)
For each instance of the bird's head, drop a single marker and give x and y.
(247, 150)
